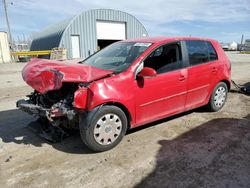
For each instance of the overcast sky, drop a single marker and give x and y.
(224, 20)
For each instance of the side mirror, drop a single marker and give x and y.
(147, 72)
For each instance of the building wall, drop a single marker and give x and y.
(247, 45)
(4, 48)
(84, 25)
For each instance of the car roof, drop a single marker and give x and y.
(160, 39)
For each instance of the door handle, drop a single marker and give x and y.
(181, 78)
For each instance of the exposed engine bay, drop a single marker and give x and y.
(64, 95)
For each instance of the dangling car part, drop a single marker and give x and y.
(245, 88)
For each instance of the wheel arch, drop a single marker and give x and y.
(123, 108)
(227, 83)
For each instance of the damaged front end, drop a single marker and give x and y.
(52, 105)
(59, 89)
(54, 108)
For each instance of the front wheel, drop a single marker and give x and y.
(104, 129)
(218, 97)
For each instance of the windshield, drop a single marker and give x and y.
(118, 56)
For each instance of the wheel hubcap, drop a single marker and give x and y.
(107, 129)
(220, 96)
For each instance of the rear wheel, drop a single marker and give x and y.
(104, 129)
(218, 97)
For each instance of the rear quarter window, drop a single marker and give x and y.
(211, 52)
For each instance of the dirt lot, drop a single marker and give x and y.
(194, 149)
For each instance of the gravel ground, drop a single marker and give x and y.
(193, 149)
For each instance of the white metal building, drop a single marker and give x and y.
(88, 32)
(4, 48)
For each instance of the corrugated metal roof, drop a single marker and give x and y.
(84, 25)
(49, 37)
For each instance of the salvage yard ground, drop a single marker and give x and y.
(194, 149)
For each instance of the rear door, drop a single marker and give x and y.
(203, 67)
(164, 94)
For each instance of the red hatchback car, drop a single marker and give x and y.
(128, 84)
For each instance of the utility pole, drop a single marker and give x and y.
(241, 43)
(8, 24)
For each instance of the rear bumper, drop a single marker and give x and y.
(27, 106)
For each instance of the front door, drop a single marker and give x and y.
(164, 94)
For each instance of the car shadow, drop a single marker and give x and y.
(21, 128)
(215, 154)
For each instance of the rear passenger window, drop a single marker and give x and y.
(197, 52)
(211, 51)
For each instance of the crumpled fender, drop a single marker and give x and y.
(81, 98)
(45, 75)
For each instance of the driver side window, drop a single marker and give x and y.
(165, 58)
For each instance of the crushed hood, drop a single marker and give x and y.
(45, 75)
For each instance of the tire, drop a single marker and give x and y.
(103, 128)
(218, 97)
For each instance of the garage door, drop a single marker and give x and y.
(111, 30)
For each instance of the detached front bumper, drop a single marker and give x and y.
(50, 131)
(28, 107)
(50, 113)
